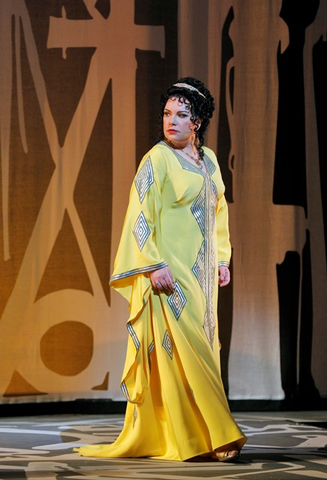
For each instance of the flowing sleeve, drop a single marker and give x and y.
(137, 253)
(223, 242)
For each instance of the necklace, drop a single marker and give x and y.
(195, 159)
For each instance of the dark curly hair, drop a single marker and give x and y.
(202, 108)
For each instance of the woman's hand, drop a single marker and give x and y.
(162, 280)
(223, 276)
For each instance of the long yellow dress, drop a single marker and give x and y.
(177, 216)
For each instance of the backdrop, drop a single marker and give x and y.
(79, 97)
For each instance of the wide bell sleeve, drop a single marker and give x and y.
(137, 255)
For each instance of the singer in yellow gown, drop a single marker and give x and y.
(177, 216)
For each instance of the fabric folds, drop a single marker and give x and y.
(177, 216)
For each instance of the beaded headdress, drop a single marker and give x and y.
(188, 87)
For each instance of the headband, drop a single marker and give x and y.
(188, 87)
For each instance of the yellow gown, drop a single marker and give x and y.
(176, 407)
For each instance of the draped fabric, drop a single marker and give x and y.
(171, 220)
(80, 84)
(177, 216)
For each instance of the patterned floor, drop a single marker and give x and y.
(280, 446)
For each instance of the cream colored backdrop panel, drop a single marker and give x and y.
(33, 331)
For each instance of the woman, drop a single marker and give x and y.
(173, 253)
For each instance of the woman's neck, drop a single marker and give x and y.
(189, 145)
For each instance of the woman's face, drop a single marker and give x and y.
(177, 125)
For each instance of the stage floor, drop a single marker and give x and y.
(281, 445)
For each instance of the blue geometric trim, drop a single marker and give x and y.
(177, 300)
(132, 333)
(198, 210)
(125, 391)
(136, 271)
(198, 268)
(144, 179)
(151, 347)
(214, 190)
(223, 264)
(211, 167)
(134, 415)
(150, 350)
(209, 324)
(141, 230)
(188, 166)
(167, 344)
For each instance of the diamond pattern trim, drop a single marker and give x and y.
(177, 300)
(141, 230)
(198, 209)
(167, 344)
(144, 179)
(210, 165)
(198, 268)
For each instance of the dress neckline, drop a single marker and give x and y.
(194, 168)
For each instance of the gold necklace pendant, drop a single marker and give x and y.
(195, 159)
